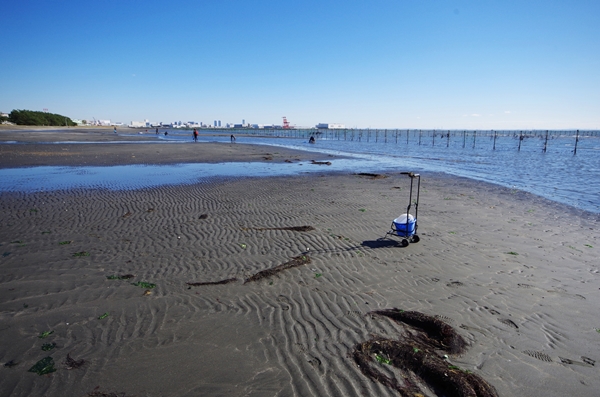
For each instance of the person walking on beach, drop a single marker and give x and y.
(195, 135)
(115, 130)
(232, 138)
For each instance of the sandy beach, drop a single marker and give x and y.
(272, 286)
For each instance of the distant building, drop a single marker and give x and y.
(137, 124)
(330, 126)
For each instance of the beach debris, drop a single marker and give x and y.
(5, 254)
(203, 216)
(589, 246)
(144, 284)
(362, 209)
(317, 275)
(418, 360)
(147, 292)
(373, 176)
(10, 364)
(45, 334)
(127, 215)
(71, 363)
(150, 210)
(320, 162)
(98, 393)
(243, 245)
(290, 228)
(120, 277)
(46, 232)
(226, 281)
(294, 262)
(82, 253)
(103, 316)
(43, 367)
(512, 253)
(383, 360)
(48, 346)
(65, 242)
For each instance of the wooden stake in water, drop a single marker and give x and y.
(520, 140)
(448, 139)
(576, 140)
(464, 138)
(545, 142)
(494, 140)
(474, 138)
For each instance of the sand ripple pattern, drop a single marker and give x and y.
(289, 333)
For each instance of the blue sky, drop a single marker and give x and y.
(379, 63)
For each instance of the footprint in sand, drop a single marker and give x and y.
(285, 302)
(539, 355)
(587, 362)
(508, 322)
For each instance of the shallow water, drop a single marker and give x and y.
(556, 174)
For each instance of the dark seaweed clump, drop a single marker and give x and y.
(227, 281)
(294, 262)
(416, 357)
(290, 228)
(120, 277)
(43, 367)
(372, 176)
(71, 363)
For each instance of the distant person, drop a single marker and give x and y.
(115, 130)
(195, 135)
(166, 133)
(157, 131)
(311, 140)
(232, 138)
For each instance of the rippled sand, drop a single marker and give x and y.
(516, 276)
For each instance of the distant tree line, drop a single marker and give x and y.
(30, 117)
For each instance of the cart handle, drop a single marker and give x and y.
(410, 174)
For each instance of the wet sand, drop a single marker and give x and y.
(516, 276)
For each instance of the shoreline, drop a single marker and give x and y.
(514, 274)
(68, 149)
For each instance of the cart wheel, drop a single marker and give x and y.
(415, 239)
(404, 242)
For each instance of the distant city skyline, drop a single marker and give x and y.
(380, 64)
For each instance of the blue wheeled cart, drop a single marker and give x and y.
(405, 226)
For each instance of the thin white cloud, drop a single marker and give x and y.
(507, 111)
(475, 115)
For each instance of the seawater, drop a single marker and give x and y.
(556, 174)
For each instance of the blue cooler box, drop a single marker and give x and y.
(405, 225)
